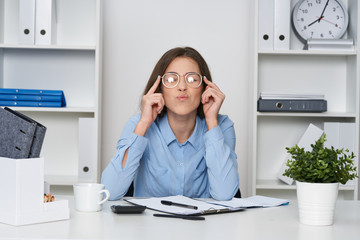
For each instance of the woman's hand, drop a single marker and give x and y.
(212, 99)
(152, 104)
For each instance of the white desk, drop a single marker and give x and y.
(265, 224)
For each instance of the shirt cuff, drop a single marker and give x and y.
(138, 142)
(213, 136)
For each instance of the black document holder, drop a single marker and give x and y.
(21, 136)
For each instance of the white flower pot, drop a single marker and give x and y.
(317, 202)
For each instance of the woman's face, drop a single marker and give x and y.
(182, 99)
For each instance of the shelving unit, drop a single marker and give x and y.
(71, 64)
(333, 73)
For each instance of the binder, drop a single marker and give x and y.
(45, 22)
(309, 137)
(87, 155)
(282, 24)
(16, 136)
(28, 97)
(38, 92)
(266, 24)
(283, 105)
(39, 133)
(27, 22)
(30, 104)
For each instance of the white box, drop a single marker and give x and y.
(310, 136)
(266, 25)
(22, 193)
(282, 21)
(87, 155)
(27, 22)
(45, 22)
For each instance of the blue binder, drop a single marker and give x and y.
(32, 97)
(28, 97)
(30, 104)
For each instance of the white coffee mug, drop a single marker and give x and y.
(89, 197)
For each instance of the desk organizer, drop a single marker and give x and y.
(22, 194)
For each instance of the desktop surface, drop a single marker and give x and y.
(256, 223)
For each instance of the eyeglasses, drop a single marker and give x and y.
(172, 79)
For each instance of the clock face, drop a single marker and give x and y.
(320, 19)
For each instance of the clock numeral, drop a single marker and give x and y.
(305, 27)
(330, 32)
(309, 4)
(318, 1)
(321, 35)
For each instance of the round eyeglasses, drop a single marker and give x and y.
(172, 79)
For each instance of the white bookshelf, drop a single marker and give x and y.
(333, 73)
(72, 64)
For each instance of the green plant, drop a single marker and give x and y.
(321, 165)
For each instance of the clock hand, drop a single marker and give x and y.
(317, 20)
(330, 22)
(322, 14)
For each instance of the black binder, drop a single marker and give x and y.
(289, 105)
(21, 136)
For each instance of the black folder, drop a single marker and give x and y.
(21, 136)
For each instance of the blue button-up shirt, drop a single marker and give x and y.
(203, 166)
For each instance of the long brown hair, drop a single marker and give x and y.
(164, 62)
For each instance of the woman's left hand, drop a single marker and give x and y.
(212, 99)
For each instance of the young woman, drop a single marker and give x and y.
(179, 144)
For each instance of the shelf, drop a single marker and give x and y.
(318, 115)
(311, 52)
(61, 179)
(64, 109)
(47, 47)
(279, 185)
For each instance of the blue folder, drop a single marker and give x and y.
(32, 97)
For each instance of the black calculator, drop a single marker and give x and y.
(127, 209)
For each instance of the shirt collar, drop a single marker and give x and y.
(169, 136)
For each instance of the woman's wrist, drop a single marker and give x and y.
(142, 127)
(211, 123)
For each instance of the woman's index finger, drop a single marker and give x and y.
(155, 86)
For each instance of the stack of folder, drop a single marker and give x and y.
(286, 102)
(31, 98)
(21, 136)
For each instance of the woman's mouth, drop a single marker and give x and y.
(182, 98)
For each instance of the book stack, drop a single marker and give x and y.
(21, 137)
(31, 98)
(288, 102)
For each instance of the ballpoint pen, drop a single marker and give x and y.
(169, 203)
(179, 216)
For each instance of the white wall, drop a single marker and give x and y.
(137, 33)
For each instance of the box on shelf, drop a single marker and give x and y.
(22, 191)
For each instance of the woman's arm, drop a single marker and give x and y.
(118, 177)
(221, 160)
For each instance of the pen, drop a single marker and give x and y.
(169, 203)
(179, 216)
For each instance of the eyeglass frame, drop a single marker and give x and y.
(179, 76)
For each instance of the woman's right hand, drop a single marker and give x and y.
(152, 104)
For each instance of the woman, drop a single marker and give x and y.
(179, 144)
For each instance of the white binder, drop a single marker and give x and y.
(45, 22)
(266, 24)
(309, 137)
(26, 22)
(87, 156)
(282, 24)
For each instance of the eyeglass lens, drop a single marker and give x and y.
(171, 80)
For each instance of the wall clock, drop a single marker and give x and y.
(320, 19)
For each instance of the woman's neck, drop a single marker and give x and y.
(182, 126)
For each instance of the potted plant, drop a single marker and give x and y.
(317, 174)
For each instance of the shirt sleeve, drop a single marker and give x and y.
(116, 178)
(221, 160)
